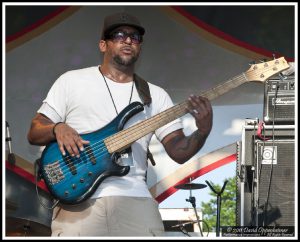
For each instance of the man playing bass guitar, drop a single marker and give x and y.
(81, 112)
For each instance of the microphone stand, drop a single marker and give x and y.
(10, 157)
(218, 205)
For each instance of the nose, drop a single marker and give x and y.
(128, 40)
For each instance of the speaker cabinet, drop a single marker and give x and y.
(266, 177)
(276, 186)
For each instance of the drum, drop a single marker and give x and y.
(25, 214)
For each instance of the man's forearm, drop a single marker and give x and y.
(41, 131)
(182, 148)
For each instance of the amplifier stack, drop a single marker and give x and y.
(266, 160)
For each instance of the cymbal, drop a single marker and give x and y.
(191, 186)
(25, 227)
(10, 205)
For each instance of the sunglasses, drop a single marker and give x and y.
(122, 36)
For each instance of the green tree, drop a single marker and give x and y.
(228, 206)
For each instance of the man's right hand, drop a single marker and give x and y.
(68, 139)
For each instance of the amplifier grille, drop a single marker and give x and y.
(281, 194)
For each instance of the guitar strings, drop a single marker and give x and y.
(96, 147)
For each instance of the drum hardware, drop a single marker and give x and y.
(10, 157)
(10, 205)
(182, 227)
(218, 205)
(192, 186)
(24, 214)
(25, 227)
(183, 224)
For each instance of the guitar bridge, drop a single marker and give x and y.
(54, 173)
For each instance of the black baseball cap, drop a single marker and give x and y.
(119, 19)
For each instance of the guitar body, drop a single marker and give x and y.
(72, 180)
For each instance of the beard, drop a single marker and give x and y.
(125, 61)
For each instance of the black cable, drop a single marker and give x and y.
(273, 151)
(207, 226)
(261, 164)
(37, 176)
(253, 208)
(184, 231)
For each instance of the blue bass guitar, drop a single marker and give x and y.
(72, 180)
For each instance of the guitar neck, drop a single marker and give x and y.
(126, 137)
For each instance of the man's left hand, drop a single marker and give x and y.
(201, 110)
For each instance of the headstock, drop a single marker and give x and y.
(263, 71)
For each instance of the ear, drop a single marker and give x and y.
(102, 46)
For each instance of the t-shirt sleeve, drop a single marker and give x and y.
(166, 102)
(50, 112)
(55, 104)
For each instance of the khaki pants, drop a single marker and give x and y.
(109, 216)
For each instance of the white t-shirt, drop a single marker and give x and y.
(81, 99)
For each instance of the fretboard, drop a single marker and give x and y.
(126, 137)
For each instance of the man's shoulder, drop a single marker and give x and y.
(80, 72)
(156, 89)
(77, 76)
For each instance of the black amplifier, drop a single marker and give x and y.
(279, 100)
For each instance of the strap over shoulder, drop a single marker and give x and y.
(142, 87)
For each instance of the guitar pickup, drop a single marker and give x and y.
(70, 164)
(90, 154)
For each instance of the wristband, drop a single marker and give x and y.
(53, 130)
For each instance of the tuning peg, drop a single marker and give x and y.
(263, 60)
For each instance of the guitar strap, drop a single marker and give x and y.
(144, 92)
(143, 89)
